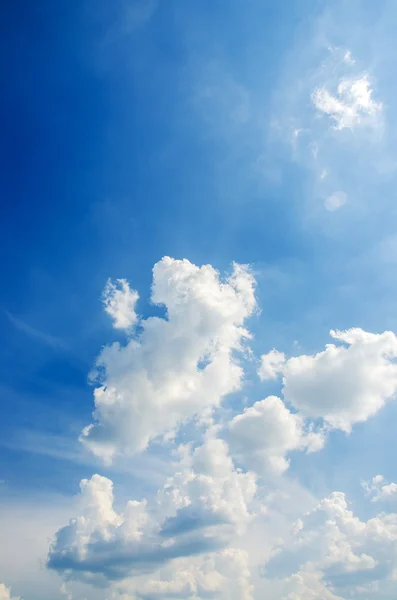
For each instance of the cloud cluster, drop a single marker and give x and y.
(308, 584)
(177, 366)
(352, 105)
(199, 509)
(194, 538)
(331, 114)
(345, 383)
(379, 490)
(331, 552)
(271, 365)
(266, 432)
(209, 490)
(328, 554)
(224, 575)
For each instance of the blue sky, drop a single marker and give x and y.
(249, 132)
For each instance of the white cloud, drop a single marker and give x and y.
(348, 134)
(342, 385)
(335, 201)
(5, 593)
(271, 365)
(178, 366)
(199, 509)
(331, 551)
(379, 490)
(119, 301)
(351, 106)
(345, 383)
(195, 539)
(224, 576)
(266, 432)
(83, 541)
(211, 488)
(307, 584)
(163, 551)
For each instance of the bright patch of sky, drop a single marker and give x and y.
(199, 381)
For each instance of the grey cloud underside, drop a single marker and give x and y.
(115, 561)
(188, 520)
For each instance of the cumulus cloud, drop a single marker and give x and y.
(192, 539)
(178, 366)
(379, 490)
(184, 544)
(331, 551)
(102, 545)
(352, 105)
(266, 432)
(200, 507)
(119, 301)
(101, 540)
(5, 593)
(271, 365)
(224, 576)
(209, 489)
(308, 584)
(345, 383)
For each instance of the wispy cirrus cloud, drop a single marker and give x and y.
(332, 107)
(41, 336)
(337, 113)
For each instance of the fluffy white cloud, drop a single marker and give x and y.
(5, 593)
(271, 365)
(352, 105)
(178, 366)
(209, 490)
(100, 540)
(308, 584)
(332, 552)
(119, 301)
(328, 554)
(192, 540)
(222, 576)
(200, 508)
(379, 490)
(345, 383)
(266, 432)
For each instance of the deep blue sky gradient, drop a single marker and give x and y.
(114, 154)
